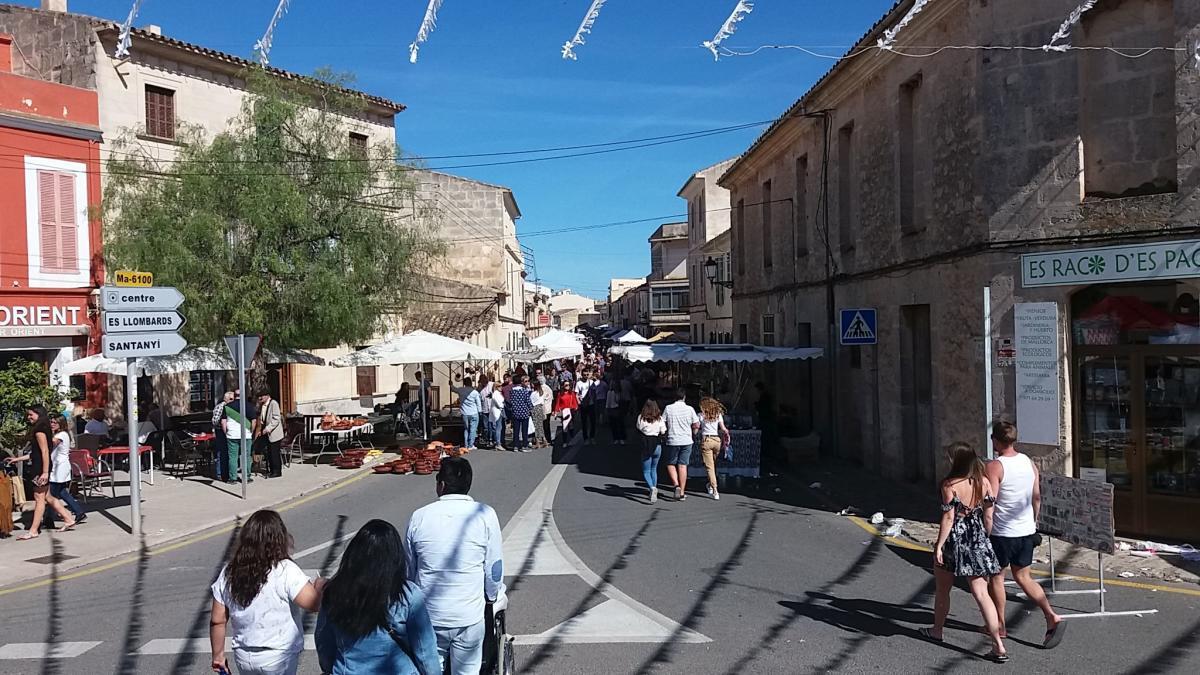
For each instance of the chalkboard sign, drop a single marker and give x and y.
(1078, 511)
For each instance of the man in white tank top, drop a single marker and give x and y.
(1015, 484)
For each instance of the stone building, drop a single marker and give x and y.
(630, 308)
(668, 280)
(931, 188)
(708, 219)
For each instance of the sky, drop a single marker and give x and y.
(491, 78)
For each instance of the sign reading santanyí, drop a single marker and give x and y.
(1160, 260)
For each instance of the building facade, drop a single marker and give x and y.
(50, 239)
(708, 219)
(668, 281)
(971, 189)
(631, 309)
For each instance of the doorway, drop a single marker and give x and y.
(916, 392)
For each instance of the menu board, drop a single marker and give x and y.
(1078, 511)
(1038, 402)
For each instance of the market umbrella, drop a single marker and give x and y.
(192, 358)
(416, 347)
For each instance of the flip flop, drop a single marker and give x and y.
(1054, 636)
(927, 633)
(997, 658)
(27, 537)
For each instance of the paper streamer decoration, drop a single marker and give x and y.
(1064, 31)
(889, 35)
(263, 46)
(427, 26)
(743, 8)
(585, 26)
(123, 39)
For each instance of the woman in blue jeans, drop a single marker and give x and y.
(652, 427)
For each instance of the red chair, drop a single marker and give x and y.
(90, 472)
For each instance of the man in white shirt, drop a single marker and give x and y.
(587, 408)
(682, 425)
(455, 555)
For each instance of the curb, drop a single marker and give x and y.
(80, 567)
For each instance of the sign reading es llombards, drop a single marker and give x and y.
(1159, 260)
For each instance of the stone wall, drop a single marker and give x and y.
(51, 46)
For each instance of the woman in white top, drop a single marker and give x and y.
(260, 592)
(496, 417)
(60, 467)
(713, 437)
(652, 427)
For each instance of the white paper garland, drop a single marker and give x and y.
(1064, 31)
(427, 26)
(263, 46)
(585, 26)
(889, 35)
(123, 39)
(739, 12)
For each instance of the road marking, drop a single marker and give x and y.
(1074, 577)
(534, 522)
(186, 541)
(44, 650)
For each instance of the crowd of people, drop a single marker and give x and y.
(411, 603)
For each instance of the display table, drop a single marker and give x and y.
(338, 437)
(747, 456)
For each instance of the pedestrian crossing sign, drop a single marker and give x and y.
(858, 327)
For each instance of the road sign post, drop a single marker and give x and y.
(139, 321)
(242, 349)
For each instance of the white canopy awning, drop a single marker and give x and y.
(192, 358)
(416, 347)
(556, 336)
(558, 344)
(629, 337)
(712, 353)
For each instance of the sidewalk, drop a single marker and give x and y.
(171, 510)
(842, 485)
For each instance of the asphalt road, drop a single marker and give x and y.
(760, 581)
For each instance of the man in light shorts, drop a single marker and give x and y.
(682, 425)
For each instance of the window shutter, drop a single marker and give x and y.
(48, 220)
(68, 229)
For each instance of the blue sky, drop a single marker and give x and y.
(491, 78)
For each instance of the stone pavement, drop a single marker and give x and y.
(843, 485)
(172, 509)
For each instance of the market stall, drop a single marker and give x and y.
(745, 441)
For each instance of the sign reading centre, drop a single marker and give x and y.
(141, 322)
(1162, 260)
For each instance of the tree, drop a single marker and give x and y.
(23, 384)
(280, 225)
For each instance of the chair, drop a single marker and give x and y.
(293, 448)
(182, 453)
(90, 473)
(89, 442)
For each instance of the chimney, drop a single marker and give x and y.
(153, 29)
(6, 41)
(54, 5)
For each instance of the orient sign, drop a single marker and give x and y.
(1162, 260)
(38, 320)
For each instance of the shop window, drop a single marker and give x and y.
(160, 112)
(1127, 106)
(1164, 313)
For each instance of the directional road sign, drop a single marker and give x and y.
(117, 299)
(135, 322)
(858, 327)
(133, 345)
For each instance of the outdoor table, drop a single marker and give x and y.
(747, 456)
(123, 451)
(336, 437)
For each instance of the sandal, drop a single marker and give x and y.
(27, 537)
(997, 658)
(1054, 636)
(67, 528)
(927, 633)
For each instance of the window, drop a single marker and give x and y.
(1127, 113)
(701, 336)
(856, 357)
(768, 258)
(743, 334)
(160, 112)
(905, 149)
(656, 261)
(57, 227)
(701, 218)
(722, 275)
(739, 235)
(358, 144)
(800, 207)
(365, 379)
(846, 186)
(668, 301)
(768, 330)
(712, 337)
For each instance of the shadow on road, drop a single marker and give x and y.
(134, 625)
(185, 659)
(51, 666)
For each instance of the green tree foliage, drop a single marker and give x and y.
(22, 384)
(280, 225)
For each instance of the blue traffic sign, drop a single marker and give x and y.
(858, 327)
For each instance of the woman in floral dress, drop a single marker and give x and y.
(963, 549)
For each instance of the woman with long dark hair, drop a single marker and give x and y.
(652, 427)
(257, 593)
(963, 548)
(373, 619)
(37, 456)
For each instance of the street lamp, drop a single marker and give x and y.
(710, 272)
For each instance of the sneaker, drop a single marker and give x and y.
(678, 492)
(709, 488)
(525, 450)
(653, 495)
(714, 494)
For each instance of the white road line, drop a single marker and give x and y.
(44, 650)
